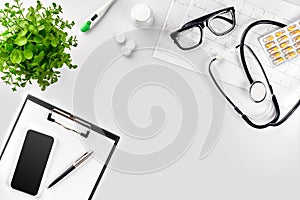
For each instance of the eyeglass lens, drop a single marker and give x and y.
(189, 38)
(221, 23)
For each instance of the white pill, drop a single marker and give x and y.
(120, 38)
(130, 44)
(125, 51)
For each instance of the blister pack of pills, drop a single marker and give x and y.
(282, 45)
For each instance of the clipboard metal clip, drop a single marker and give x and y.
(70, 117)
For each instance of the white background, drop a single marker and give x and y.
(246, 164)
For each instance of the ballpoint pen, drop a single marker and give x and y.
(76, 164)
(98, 14)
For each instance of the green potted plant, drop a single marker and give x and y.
(34, 44)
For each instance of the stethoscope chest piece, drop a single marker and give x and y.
(258, 92)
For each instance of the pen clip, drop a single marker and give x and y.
(70, 117)
(83, 158)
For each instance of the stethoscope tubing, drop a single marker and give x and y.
(275, 121)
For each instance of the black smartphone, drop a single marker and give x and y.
(32, 162)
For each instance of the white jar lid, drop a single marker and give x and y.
(142, 15)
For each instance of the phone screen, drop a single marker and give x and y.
(32, 162)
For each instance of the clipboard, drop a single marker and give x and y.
(56, 117)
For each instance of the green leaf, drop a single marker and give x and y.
(41, 27)
(3, 55)
(37, 39)
(47, 28)
(54, 43)
(23, 24)
(41, 56)
(23, 33)
(46, 41)
(21, 40)
(28, 54)
(40, 47)
(30, 46)
(4, 23)
(39, 5)
(48, 13)
(44, 66)
(31, 9)
(16, 56)
(5, 33)
(7, 5)
(8, 47)
(12, 70)
(23, 84)
(32, 28)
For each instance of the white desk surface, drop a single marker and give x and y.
(246, 164)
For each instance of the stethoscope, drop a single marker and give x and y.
(257, 90)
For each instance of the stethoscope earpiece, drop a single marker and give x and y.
(221, 56)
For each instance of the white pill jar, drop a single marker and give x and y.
(142, 15)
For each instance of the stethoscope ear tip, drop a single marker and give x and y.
(220, 56)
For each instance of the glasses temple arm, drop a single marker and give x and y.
(226, 19)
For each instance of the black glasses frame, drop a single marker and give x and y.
(202, 22)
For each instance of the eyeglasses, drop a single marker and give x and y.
(219, 23)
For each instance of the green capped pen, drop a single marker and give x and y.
(92, 21)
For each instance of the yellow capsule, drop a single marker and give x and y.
(295, 32)
(284, 45)
(273, 50)
(275, 55)
(269, 39)
(287, 50)
(279, 33)
(298, 51)
(291, 55)
(291, 28)
(296, 39)
(269, 45)
(297, 45)
(283, 38)
(278, 61)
